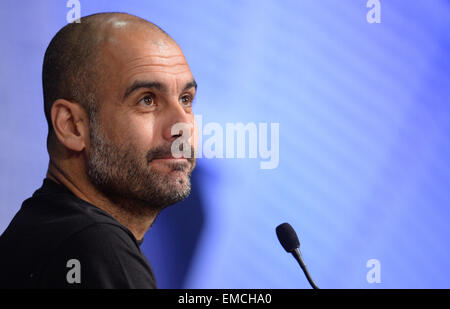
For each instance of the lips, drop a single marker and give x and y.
(171, 160)
(165, 153)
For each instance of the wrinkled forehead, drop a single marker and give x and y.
(140, 53)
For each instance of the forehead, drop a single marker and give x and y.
(146, 56)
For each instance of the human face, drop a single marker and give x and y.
(148, 89)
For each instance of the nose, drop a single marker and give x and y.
(177, 121)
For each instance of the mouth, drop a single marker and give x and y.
(173, 165)
(171, 159)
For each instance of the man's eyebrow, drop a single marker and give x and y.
(191, 84)
(143, 84)
(156, 85)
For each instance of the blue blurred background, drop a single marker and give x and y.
(364, 114)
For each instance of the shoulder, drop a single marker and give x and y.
(101, 255)
(54, 226)
(100, 237)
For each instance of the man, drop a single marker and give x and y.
(115, 86)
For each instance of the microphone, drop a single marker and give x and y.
(289, 240)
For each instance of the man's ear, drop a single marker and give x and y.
(70, 123)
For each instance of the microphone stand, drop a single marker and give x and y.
(298, 256)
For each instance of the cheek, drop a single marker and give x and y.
(135, 129)
(141, 132)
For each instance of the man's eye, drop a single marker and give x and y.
(186, 100)
(148, 100)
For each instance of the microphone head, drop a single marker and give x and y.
(287, 237)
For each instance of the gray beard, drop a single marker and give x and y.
(129, 181)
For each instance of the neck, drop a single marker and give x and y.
(133, 214)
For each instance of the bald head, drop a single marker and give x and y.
(74, 66)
